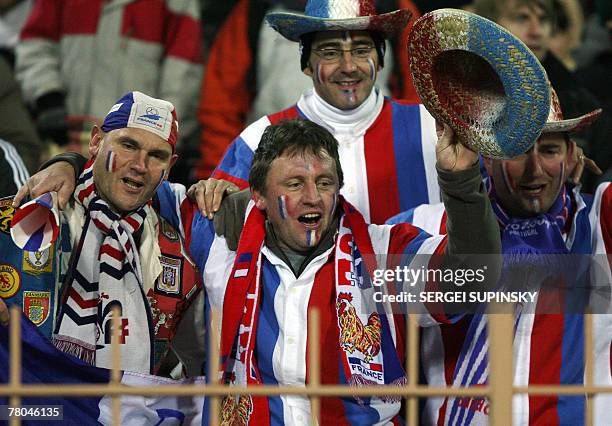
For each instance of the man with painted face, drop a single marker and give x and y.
(294, 243)
(298, 244)
(543, 221)
(113, 249)
(386, 147)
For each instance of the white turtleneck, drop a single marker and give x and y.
(354, 121)
(349, 128)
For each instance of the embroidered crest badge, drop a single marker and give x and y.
(37, 305)
(168, 231)
(10, 280)
(38, 262)
(169, 282)
(6, 216)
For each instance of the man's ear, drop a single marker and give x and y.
(95, 141)
(260, 201)
(308, 70)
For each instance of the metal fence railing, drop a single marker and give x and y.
(499, 391)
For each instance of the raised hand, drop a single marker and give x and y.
(452, 155)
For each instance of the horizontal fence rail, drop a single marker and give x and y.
(499, 389)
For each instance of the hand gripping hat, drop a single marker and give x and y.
(481, 80)
(141, 111)
(341, 15)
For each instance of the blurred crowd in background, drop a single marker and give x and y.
(62, 62)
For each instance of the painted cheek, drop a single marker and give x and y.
(560, 170)
(334, 202)
(282, 207)
(161, 180)
(110, 162)
(507, 173)
(320, 75)
(372, 69)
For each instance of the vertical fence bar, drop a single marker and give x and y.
(116, 366)
(412, 368)
(589, 364)
(501, 331)
(213, 366)
(15, 364)
(314, 363)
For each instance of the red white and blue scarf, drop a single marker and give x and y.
(104, 274)
(243, 298)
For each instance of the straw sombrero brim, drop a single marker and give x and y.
(293, 25)
(481, 80)
(572, 124)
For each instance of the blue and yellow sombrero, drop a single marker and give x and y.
(481, 80)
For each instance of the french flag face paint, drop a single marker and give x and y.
(110, 162)
(311, 237)
(508, 181)
(282, 207)
(372, 69)
(161, 179)
(318, 74)
(334, 202)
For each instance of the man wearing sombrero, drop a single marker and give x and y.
(386, 147)
(556, 240)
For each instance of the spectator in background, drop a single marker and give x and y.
(532, 21)
(343, 54)
(567, 33)
(13, 14)
(596, 76)
(77, 57)
(14, 172)
(16, 125)
(252, 71)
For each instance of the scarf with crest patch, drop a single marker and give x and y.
(105, 277)
(366, 342)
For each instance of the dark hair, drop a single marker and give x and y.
(306, 46)
(492, 9)
(294, 137)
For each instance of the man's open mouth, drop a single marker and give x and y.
(532, 189)
(132, 183)
(310, 218)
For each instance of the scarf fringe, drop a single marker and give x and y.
(81, 350)
(357, 380)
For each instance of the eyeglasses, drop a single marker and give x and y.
(334, 55)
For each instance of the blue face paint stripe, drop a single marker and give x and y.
(282, 207)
